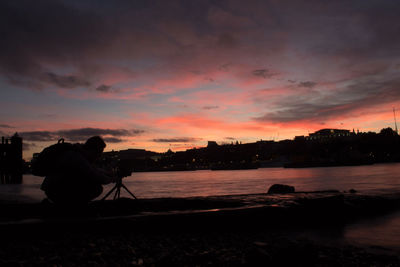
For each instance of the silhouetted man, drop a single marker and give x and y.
(76, 179)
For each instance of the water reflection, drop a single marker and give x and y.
(381, 231)
(10, 178)
(26, 189)
(207, 183)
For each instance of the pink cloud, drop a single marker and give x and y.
(194, 122)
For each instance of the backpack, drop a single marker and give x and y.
(46, 161)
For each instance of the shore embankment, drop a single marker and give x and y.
(220, 230)
(305, 207)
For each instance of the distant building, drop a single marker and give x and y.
(135, 154)
(328, 133)
(130, 154)
(11, 162)
(299, 137)
(212, 144)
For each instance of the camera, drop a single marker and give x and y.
(123, 169)
(113, 164)
(120, 169)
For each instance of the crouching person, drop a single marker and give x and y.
(74, 179)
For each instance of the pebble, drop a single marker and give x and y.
(261, 244)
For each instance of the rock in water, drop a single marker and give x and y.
(280, 189)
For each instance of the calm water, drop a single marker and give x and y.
(383, 231)
(380, 177)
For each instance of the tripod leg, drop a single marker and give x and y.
(117, 192)
(127, 190)
(109, 193)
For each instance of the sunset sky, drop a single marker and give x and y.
(175, 74)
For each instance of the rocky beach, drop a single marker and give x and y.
(303, 228)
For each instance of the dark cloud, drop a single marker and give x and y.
(177, 140)
(197, 72)
(85, 133)
(230, 138)
(104, 88)
(297, 112)
(57, 43)
(79, 135)
(307, 84)
(48, 116)
(264, 73)
(226, 40)
(78, 38)
(355, 98)
(40, 136)
(210, 107)
(66, 81)
(325, 30)
(225, 67)
(113, 140)
(36, 35)
(5, 126)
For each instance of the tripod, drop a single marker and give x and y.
(117, 189)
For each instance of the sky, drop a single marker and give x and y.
(161, 75)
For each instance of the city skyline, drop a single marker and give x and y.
(159, 75)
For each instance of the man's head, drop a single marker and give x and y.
(94, 146)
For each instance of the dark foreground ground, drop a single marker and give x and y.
(248, 230)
